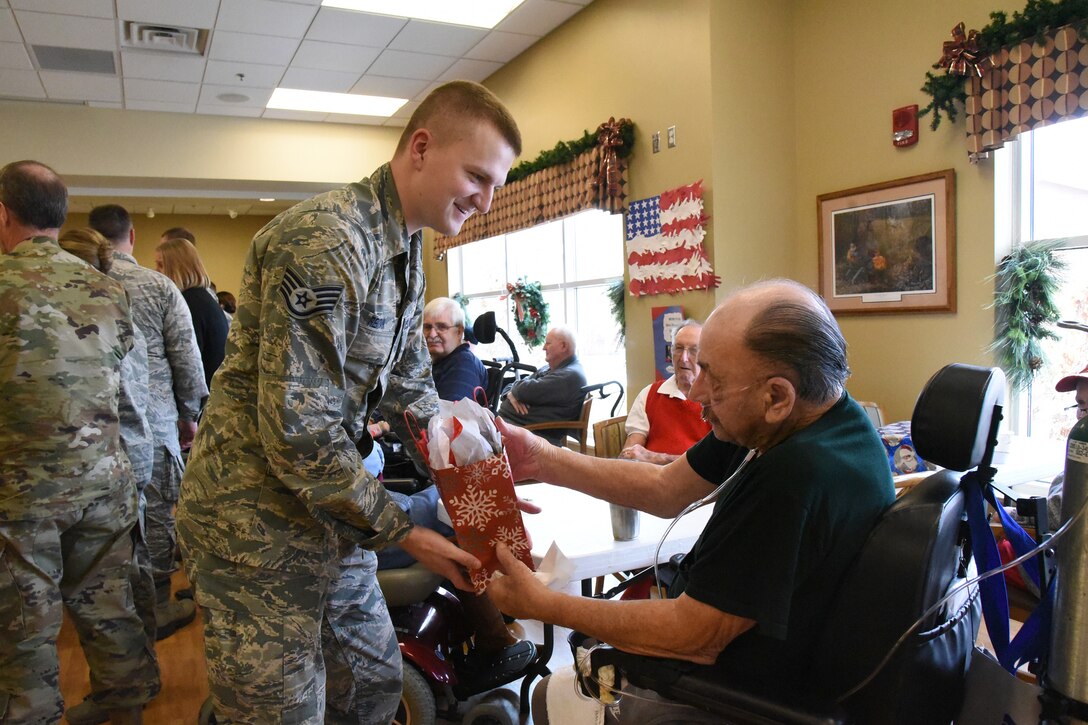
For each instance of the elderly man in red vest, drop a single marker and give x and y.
(663, 423)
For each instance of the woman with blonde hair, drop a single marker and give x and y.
(179, 260)
(90, 246)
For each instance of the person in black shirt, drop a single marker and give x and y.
(456, 370)
(755, 589)
(178, 259)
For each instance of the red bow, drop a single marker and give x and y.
(961, 54)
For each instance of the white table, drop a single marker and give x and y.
(581, 527)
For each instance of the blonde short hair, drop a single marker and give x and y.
(181, 263)
(90, 246)
(449, 108)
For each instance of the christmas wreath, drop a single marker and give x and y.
(1026, 282)
(530, 310)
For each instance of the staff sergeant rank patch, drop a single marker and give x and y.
(304, 302)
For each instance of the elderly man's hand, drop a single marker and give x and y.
(524, 450)
(637, 452)
(520, 407)
(517, 592)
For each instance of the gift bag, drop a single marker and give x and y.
(993, 696)
(478, 494)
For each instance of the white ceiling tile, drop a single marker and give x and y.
(265, 17)
(249, 48)
(13, 55)
(86, 8)
(9, 31)
(501, 47)
(537, 17)
(162, 66)
(286, 115)
(334, 56)
(106, 104)
(436, 38)
(396, 122)
(21, 84)
(311, 79)
(410, 65)
(346, 26)
(390, 87)
(167, 106)
(225, 73)
(470, 70)
(355, 120)
(138, 89)
(81, 86)
(426, 91)
(190, 14)
(258, 97)
(67, 31)
(229, 110)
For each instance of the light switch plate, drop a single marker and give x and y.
(655, 141)
(672, 137)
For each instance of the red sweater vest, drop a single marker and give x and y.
(675, 425)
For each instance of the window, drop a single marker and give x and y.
(574, 259)
(1044, 174)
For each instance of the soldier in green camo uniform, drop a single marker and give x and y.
(138, 444)
(176, 391)
(278, 518)
(67, 499)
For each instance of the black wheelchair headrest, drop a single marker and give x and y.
(482, 330)
(952, 420)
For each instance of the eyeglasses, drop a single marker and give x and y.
(678, 350)
(439, 327)
(1081, 412)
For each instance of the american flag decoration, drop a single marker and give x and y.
(665, 243)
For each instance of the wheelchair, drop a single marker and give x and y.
(916, 554)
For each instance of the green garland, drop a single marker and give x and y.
(1037, 18)
(1026, 282)
(565, 151)
(616, 292)
(530, 311)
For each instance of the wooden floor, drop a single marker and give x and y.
(181, 661)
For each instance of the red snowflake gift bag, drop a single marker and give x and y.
(480, 500)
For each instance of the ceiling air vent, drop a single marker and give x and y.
(164, 38)
(74, 60)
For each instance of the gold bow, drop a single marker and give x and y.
(608, 174)
(961, 54)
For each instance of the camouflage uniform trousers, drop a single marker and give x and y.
(83, 559)
(143, 579)
(297, 649)
(161, 494)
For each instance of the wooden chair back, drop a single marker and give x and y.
(609, 436)
(577, 430)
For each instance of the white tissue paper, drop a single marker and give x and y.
(463, 432)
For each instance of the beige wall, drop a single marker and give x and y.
(221, 241)
(854, 63)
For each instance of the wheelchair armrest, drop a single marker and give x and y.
(407, 486)
(675, 680)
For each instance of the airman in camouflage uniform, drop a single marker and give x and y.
(278, 517)
(67, 499)
(138, 444)
(176, 388)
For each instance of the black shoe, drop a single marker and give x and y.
(486, 671)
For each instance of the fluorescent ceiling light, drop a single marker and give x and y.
(294, 99)
(266, 198)
(475, 13)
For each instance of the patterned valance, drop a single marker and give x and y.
(1030, 84)
(595, 179)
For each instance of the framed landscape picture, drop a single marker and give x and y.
(890, 247)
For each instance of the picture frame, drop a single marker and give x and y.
(890, 247)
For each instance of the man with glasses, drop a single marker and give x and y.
(457, 372)
(750, 599)
(663, 423)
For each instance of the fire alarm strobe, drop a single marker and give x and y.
(905, 126)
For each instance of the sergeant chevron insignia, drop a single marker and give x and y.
(304, 302)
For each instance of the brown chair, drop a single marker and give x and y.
(609, 436)
(578, 430)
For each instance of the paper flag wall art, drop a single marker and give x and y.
(665, 236)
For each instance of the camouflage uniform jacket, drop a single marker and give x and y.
(328, 327)
(64, 330)
(175, 371)
(136, 436)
